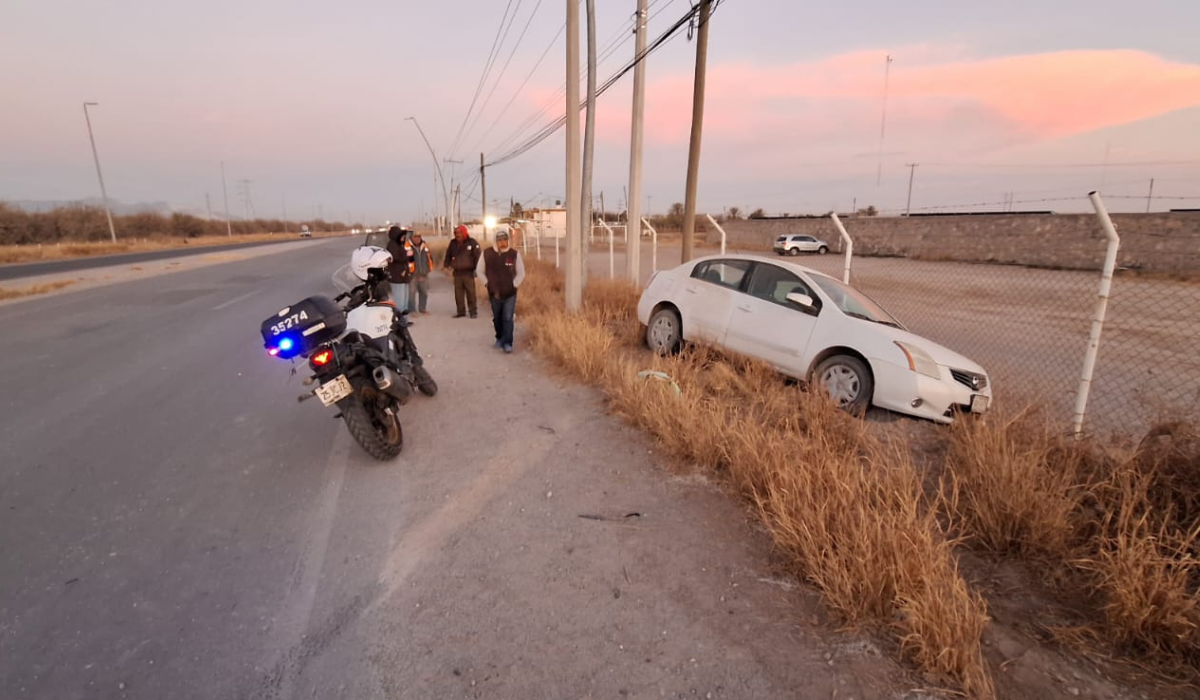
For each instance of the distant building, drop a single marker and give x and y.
(546, 223)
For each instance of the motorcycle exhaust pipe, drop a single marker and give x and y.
(392, 384)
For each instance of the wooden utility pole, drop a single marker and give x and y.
(693, 171)
(574, 274)
(633, 199)
(1150, 195)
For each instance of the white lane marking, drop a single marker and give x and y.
(231, 302)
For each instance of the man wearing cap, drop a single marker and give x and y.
(418, 298)
(462, 257)
(502, 270)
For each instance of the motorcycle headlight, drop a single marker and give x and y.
(919, 361)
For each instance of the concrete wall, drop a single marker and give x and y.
(1161, 243)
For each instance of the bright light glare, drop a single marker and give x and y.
(489, 221)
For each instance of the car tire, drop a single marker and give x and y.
(822, 250)
(847, 380)
(664, 332)
(793, 251)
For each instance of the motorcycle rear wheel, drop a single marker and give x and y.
(378, 433)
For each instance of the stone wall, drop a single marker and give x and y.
(1160, 243)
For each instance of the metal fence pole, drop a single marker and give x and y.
(718, 227)
(1093, 347)
(612, 267)
(653, 247)
(849, 247)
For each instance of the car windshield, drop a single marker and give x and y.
(854, 303)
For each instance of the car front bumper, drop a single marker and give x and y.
(902, 390)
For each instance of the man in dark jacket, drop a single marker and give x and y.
(502, 270)
(402, 266)
(462, 257)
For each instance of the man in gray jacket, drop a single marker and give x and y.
(418, 298)
(502, 270)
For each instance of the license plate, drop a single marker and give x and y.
(979, 403)
(338, 389)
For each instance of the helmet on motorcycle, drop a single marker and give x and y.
(367, 258)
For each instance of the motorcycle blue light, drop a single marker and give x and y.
(286, 344)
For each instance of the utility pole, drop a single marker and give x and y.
(589, 133)
(1150, 195)
(574, 274)
(693, 171)
(99, 175)
(225, 193)
(450, 205)
(887, 69)
(208, 205)
(912, 169)
(483, 194)
(283, 200)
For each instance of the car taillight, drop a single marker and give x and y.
(321, 359)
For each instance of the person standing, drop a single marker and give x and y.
(462, 257)
(418, 297)
(402, 267)
(502, 270)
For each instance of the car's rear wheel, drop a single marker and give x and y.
(823, 250)
(847, 381)
(664, 333)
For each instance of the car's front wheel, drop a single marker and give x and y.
(794, 251)
(664, 333)
(847, 381)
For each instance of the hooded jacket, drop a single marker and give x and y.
(404, 256)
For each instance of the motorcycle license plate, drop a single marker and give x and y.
(333, 391)
(979, 403)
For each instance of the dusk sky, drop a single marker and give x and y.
(1044, 100)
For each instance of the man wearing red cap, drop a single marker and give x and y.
(462, 257)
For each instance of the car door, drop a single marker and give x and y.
(765, 325)
(708, 296)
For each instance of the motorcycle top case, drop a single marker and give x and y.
(299, 328)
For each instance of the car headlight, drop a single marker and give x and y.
(919, 361)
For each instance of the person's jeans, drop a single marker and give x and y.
(418, 298)
(502, 318)
(400, 296)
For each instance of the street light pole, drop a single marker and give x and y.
(99, 175)
(912, 170)
(436, 164)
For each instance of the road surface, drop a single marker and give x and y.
(174, 525)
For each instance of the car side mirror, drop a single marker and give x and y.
(804, 301)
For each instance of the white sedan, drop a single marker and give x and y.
(814, 328)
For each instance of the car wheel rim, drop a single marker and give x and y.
(662, 333)
(842, 383)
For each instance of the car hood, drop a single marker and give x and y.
(941, 354)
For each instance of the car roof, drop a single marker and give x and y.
(761, 259)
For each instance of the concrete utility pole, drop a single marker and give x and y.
(225, 193)
(99, 175)
(887, 70)
(453, 191)
(693, 171)
(283, 201)
(589, 132)
(912, 169)
(483, 195)
(1150, 195)
(574, 274)
(208, 205)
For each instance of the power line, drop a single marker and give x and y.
(487, 68)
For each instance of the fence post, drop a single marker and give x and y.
(612, 270)
(653, 247)
(849, 247)
(718, 227)
(1093, 347)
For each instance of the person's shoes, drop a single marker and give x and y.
(497, 345)
(508, 349)
(459, 315)
(474, 315)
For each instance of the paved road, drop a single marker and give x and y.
(50, 267)
(174, 525)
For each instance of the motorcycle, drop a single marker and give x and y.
(361, 354)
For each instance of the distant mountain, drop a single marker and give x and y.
(118, 208)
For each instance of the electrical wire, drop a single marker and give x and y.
(487, 68)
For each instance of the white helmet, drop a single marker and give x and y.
(368, 258)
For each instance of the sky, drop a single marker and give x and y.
(1033, 102)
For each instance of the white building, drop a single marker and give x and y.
(546, 223)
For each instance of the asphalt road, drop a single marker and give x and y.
(174, 525)
(34, 269)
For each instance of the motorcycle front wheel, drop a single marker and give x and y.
(425, 383)
(375, 429)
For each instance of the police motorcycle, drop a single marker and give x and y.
(361, 354)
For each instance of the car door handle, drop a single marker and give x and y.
(692, 290)
(744, 307)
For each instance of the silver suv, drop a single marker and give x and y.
(797, 243)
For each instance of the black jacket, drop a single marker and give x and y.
(463, 256)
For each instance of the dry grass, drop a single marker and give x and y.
(849, 511)
(63, 251)
(36, 289)
(1116, 527)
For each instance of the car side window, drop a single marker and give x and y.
(725, 273)
(773, 283)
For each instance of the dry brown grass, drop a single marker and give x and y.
(1116, 527)
(849, 511)
(34, 290)
(63, 251)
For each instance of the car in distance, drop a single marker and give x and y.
(797, 243)
(813, 328)
(304, 232)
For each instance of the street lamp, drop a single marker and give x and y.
(436, 165)
(103, 194)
